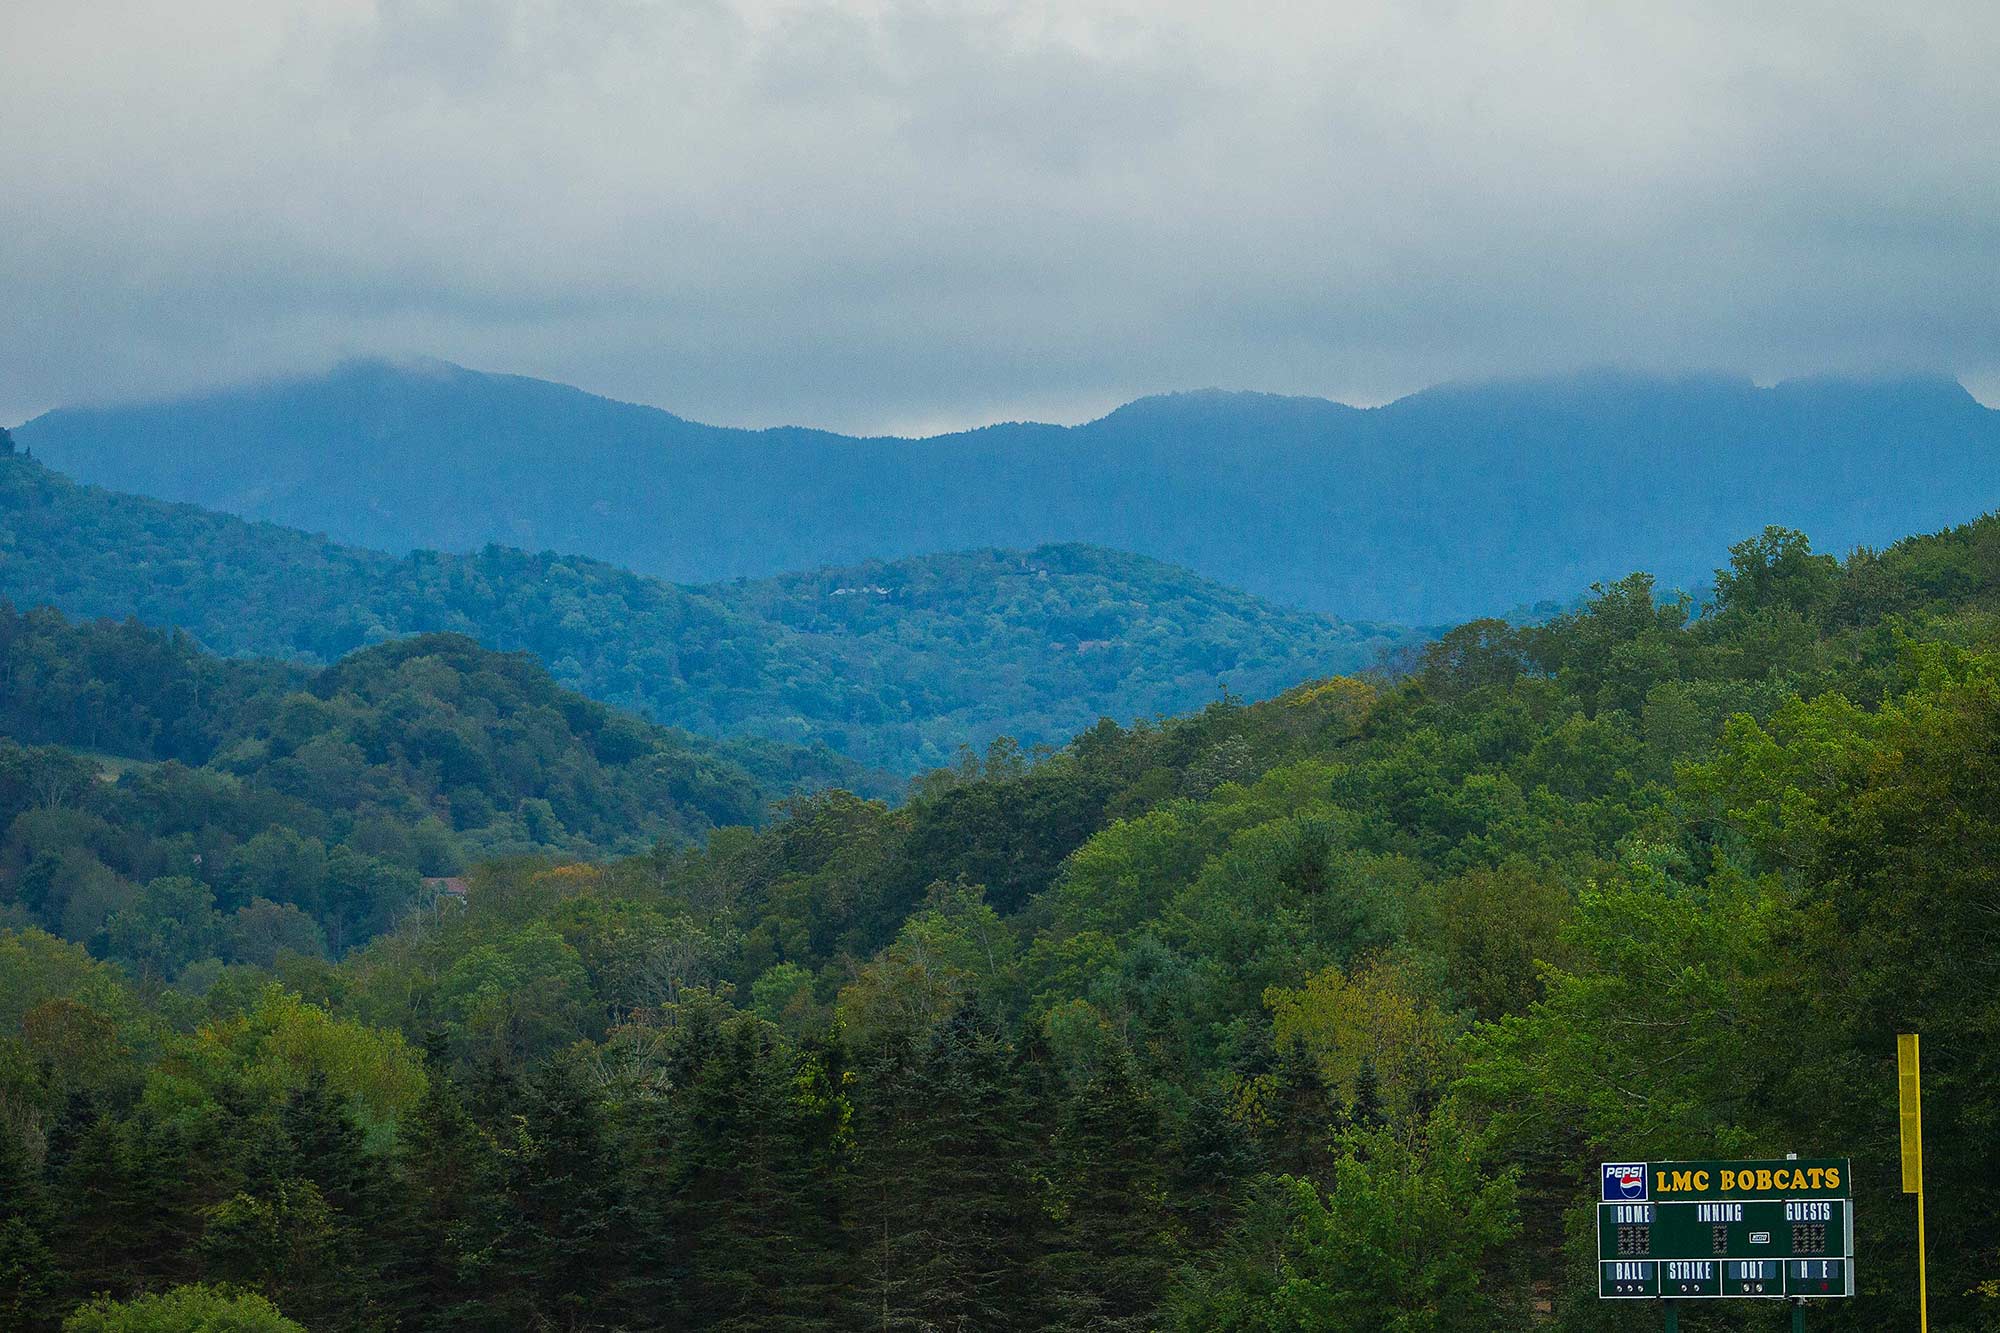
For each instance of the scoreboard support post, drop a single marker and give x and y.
(1798, 1317)
(1923, 1282)
(1910, 1115)
(1673, 1317)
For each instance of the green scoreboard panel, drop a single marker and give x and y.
(1707, 1230)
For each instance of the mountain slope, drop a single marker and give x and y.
(325, 792)
(1458, 501)
(893, 665)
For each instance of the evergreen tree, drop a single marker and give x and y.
(887, 1114)
(1110, 1265)
(269, 1165)
(324, 1145)
(283, 1238)
(1213, 1160)
(444, 1210)
(121, 1218)
(564, 1238)
(657, 1273)
(30, 1274)
(1298, 1113)
(946, 1220)
(73, 1118)
(758, 1170)
(1367, 1111)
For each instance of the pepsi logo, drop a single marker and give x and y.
(1624, 1180)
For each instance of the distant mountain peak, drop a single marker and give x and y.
(1594, 385)
(428, 375)
(397, 367)
(1197, 405)
(1905, 389)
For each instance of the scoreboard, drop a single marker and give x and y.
(1693, 1230)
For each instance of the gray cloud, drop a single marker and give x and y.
(917, 213)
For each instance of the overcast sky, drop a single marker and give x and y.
(876, 214)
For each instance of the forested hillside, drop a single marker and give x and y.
(1459, 501)
(1310, 1014)
(894, 665)
(162, 806)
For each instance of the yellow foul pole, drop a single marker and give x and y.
(1910, 1112)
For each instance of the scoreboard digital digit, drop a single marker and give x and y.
(1708, 1230)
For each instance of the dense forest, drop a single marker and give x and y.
(894, 665)
(1309, 1014)
(162, 806)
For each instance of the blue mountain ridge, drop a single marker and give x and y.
(1460, 500)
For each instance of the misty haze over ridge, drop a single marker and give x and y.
(902, 211)
(1465, 499)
